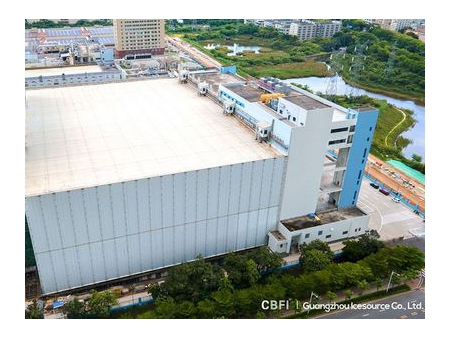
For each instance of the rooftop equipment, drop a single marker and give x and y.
(266, 98)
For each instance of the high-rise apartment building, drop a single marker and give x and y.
(138, 36)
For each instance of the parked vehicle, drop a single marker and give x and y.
(374, 185)
(396, 199)
(384, 191)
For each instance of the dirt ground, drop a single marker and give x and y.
(397, 181)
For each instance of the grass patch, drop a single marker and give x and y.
(290, 70)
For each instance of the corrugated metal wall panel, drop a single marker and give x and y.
(48, 204)
(202, 192)
(155, 204)
(47, 276)
(275, 190)
(200, 241)
(252, 228)
(62, 204)
(242, 230)
(118, 209)
(224, 191)
(191, 201)
(190, 240)
(146, 257)
(221, 234)
(235, 185)
(232, 232)
(130, 216)
(211, 236)
(105, 205)
(157, 249)
(98, 262)
(257, 182)
(77, 206)
(134, 252)
(179, 255)
(92, 215)
(213, 188)
(266, 183)
(122, 256)
(35, 224)
(168, 242)
(109, 248)
(131, 207)
(73, 269)
(245, 187)
(179, 199)
(59, 266)
(144, 204)
(167, 200)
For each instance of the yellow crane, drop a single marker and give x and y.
(266, 98)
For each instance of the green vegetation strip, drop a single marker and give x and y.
(418, 176)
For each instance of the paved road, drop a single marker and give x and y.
(390, 219)
(409, 305)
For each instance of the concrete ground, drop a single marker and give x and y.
(390, 219)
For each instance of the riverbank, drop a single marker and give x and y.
(397, 95)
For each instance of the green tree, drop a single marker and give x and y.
(331, 296)
(75, 309)
(265, 259)
(355, 250)
(224, 303)
(100, 304)
(242, 272)
(315, 260)
(34, 311)
(317, 244)
(362, 285)
(417, 158)
(378, 283)
(206, 309)
(348, 294)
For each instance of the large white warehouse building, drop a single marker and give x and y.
(124, 178)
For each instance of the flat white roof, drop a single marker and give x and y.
(66, 70)
(86, 136)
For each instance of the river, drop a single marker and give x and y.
(416, 134)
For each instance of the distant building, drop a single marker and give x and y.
(308, 30)
(137, 36)
(66, 21)
(395, 24)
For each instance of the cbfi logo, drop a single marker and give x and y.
(281, 304)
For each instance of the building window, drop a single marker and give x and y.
(370, 129)
(350, 139)
(344, 232)
(354, 195)
(368, 139)
(352, 129)
(320, 232)
(356, 230)
(327, 236)
(336, 142)
(294, 119)
(362, 162)
(365, 152)
(307, 236)
(359, 229)
(359, 175)
(338, 130)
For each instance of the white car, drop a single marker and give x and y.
(396, 199)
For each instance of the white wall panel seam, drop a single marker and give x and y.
(185, 215)
(55, 205)
(228, 207)
(101, 231)
(283, 183)
(125, 211)
(218, 204)
(161, 185)
(239, 202)
(89, 236)
(114, 229)
(74, 234)
(138, 224)
(48, 242)
(196, 210)
(268, 226)
(173, 217)
(150, 221)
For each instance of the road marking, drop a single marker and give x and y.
(365, 315)
(379, 213)
(404, 317)
(414, 313)
(382, 310)
(413, 301)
